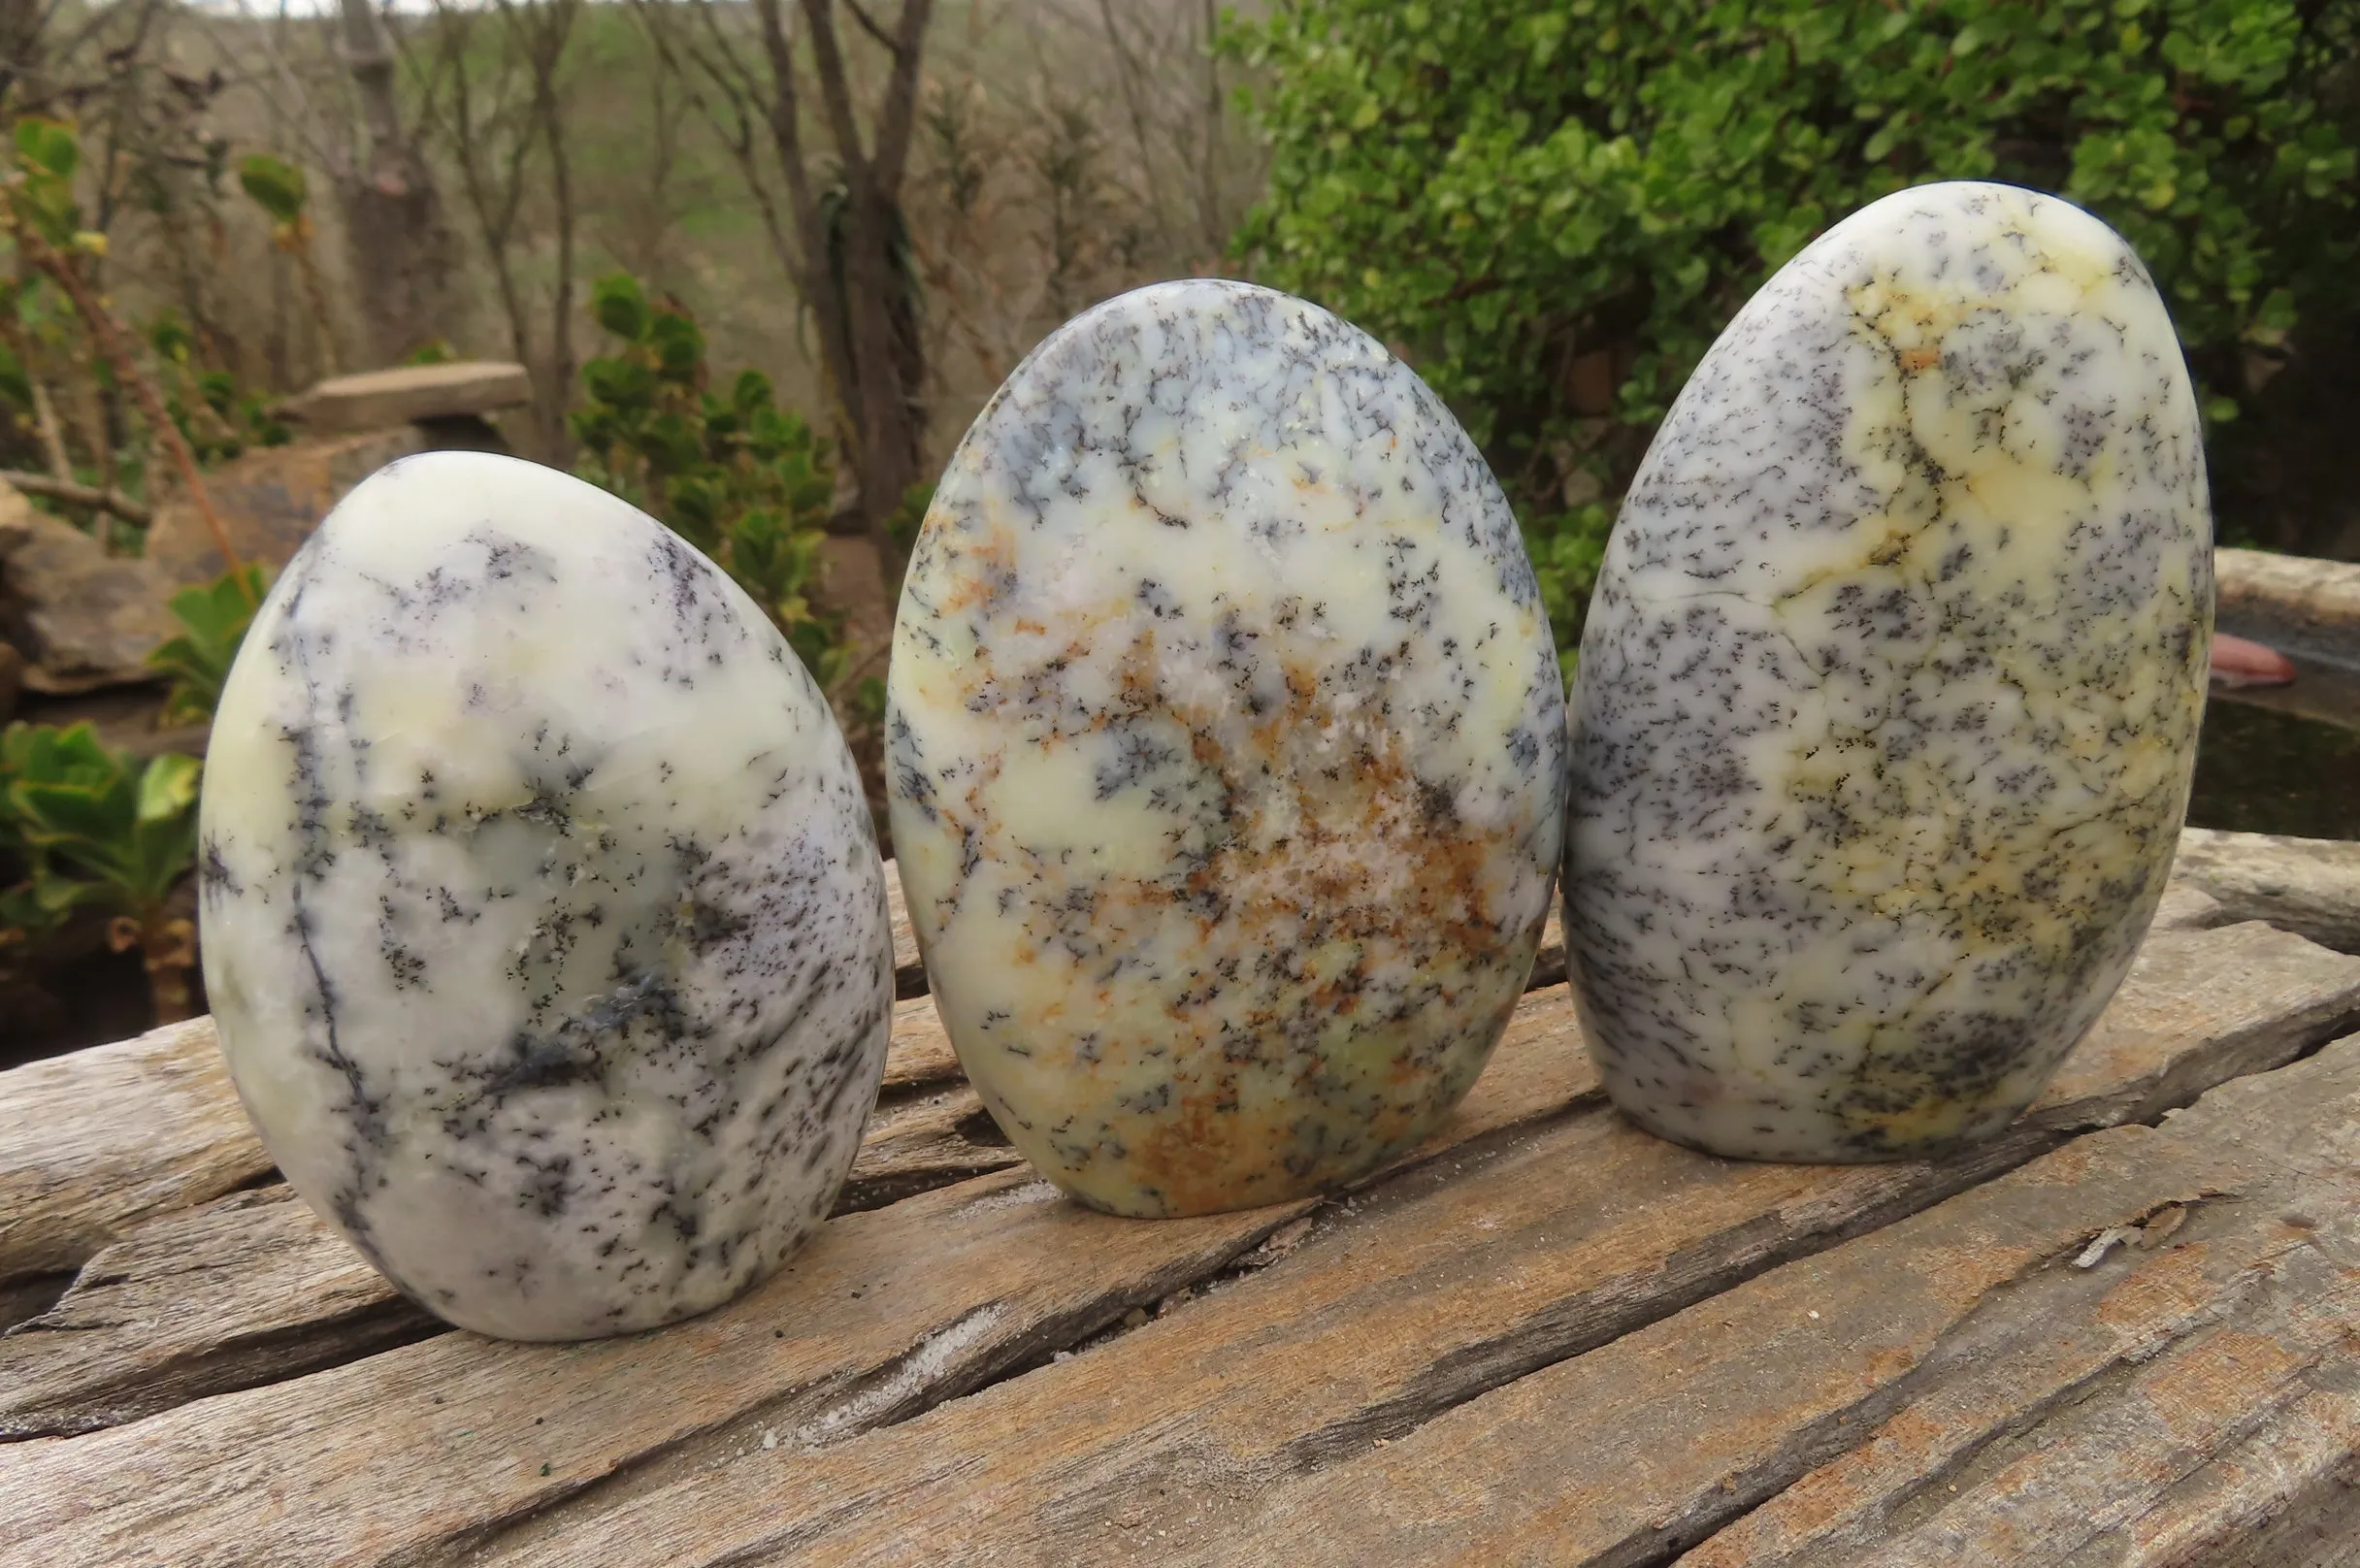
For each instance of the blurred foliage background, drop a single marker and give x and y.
(762, 260)
(1552, 206)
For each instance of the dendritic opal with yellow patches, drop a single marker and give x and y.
(1225, 753)
(1888, 692)
(542, 916)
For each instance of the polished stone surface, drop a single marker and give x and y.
(1225, 753)
(1889, 695)
(542, 915)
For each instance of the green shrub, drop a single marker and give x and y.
(1552, 206)
(217, 419)
(216, 615)
(94, 828)
(742, 480)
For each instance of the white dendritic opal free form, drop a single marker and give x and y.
(1225, 752)
(1888, 693)
(542, 916)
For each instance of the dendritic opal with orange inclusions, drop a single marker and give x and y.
(1226, 748)
(1888, 692)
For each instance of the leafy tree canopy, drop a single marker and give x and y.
(1552, 206)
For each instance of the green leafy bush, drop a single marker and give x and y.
(745, 481)
(94, 828)
(274, 186)
(217, 419)
(1552, 206)
(198, 660)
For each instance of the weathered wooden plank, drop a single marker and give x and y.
(2307, 604)
(221, 1304)
(1467, 1274)
(93, 1142)
(2189, 907)
(908, 971)
(921, 1052)
(2158, 1406)
(924, 1141)
(1992, 1403)
(254, 1289)
(249, 1288)
(2307, 886)
(1548, 964)
(411, 1454)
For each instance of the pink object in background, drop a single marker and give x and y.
(2237, 661)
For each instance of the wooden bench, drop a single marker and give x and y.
(2127, 1331)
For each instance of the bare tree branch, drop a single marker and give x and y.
(869, 26)
(834, 86)
(131, 511)
(900, 107)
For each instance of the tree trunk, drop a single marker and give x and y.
(878, 360)
(557, 443)
(891, 367)
(401, 247)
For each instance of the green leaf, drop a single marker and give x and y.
(168, 787)
(216, 617)
(274, 186)
(619, 304)
(48, 146)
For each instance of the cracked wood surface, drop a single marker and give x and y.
(248, 1289)
(1468, 1273)
(2307, 886)
(413, 1454)
(1290, 1343)
(1949, 1389)
(255, 1288)
(94, 1142)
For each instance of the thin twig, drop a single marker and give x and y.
(131, 511)
(110, 338)
(869, 26)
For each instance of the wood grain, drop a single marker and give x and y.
(248, 1289)
(254, 1289)
(2158, 1406)
(921, 1051)
(2189, 907)
(1472, 1272)
(919, 1142)
(908, 970)
(1991, 1403)
(410, 1456)
(2307, 886)
(2290, 600)
(93, 1142)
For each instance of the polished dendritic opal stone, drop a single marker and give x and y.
(542, 916)
(1225, 752)
(1889, 695)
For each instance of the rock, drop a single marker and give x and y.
(270, 499)
(2292, 602)
(542, 923)
(1889, 692)
(1225, 742)
(376, 399)
(81, 619)
(2307, 886)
